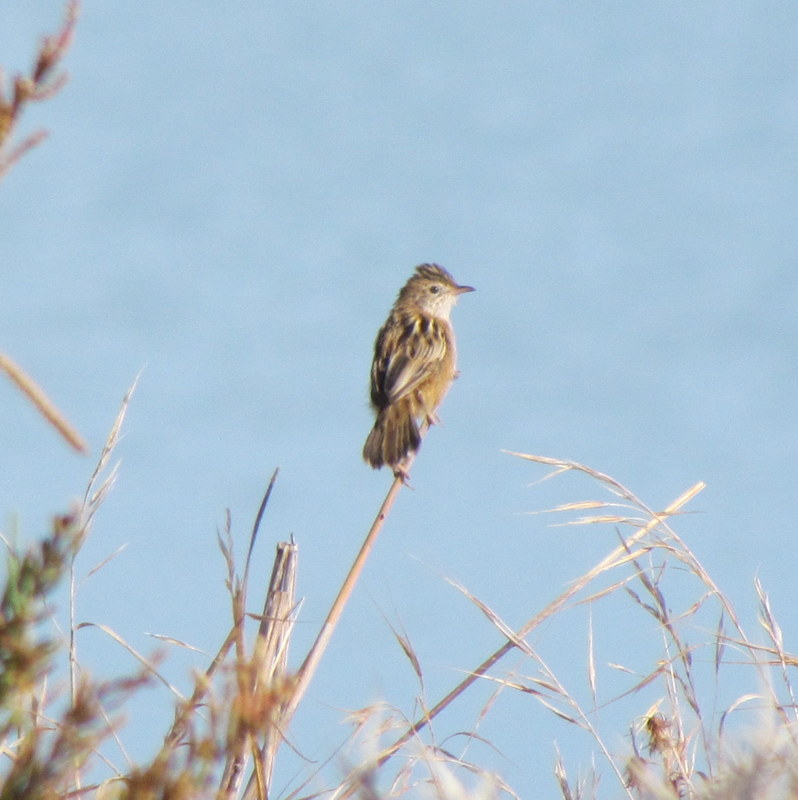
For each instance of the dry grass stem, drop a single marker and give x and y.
(42, 403)
(309, 665)
(97, 489)
(269, 662)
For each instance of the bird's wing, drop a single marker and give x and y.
(408, 351)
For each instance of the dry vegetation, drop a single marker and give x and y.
(227, 735)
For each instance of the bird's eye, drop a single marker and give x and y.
(434, 289)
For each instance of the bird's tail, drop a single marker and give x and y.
(394, 436)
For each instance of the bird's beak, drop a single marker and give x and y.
(464, 289)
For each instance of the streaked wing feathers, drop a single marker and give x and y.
(409, 349)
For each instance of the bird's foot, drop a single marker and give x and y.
(401, 473)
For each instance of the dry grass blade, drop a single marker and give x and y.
(771, 626)
(563, 465)
(42, 403)
(614, 486)
(516, 685)
(738, 703)
(258, 519)
(201, 689)
(149, 666)
(591, 660)
(562, 777)
(657, 672)
(410, 653)
(494, 618)
(96, 490)
(107, 560)
(611, 589)
(720, 642)
(744, 646)
(176, 642)
(557, 712)
(15, 154)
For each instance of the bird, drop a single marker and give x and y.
(415, 361)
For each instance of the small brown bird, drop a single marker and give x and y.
(414, 364)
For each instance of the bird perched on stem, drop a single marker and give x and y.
(414, 364)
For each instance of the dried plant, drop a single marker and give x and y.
(42, 83)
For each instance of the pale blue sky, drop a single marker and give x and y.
(231, 197)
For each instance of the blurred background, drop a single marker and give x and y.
(229, 200)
